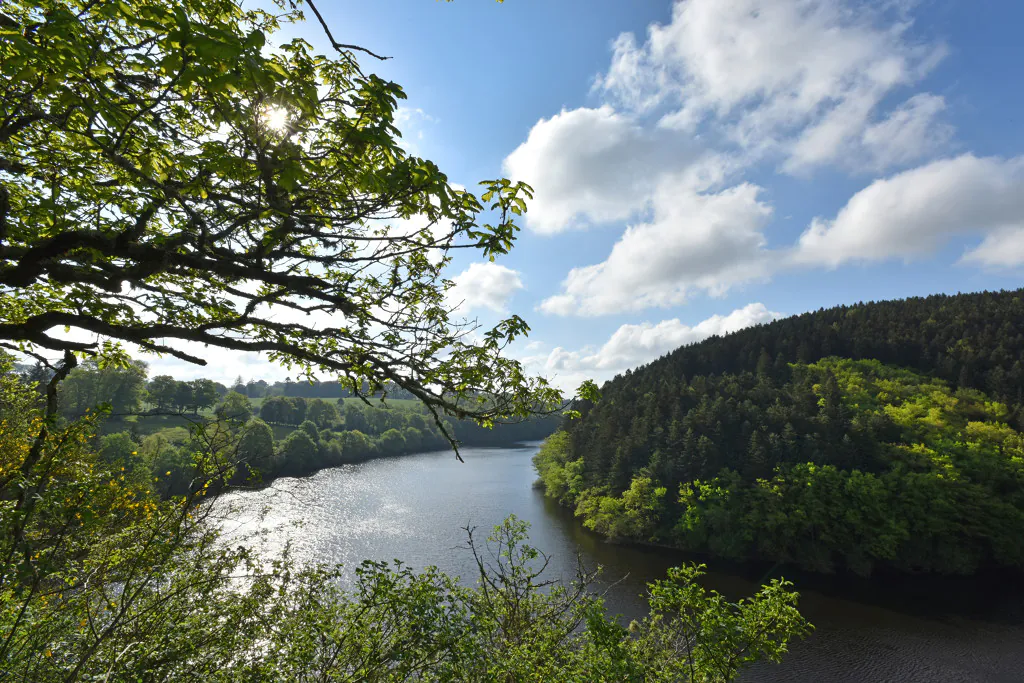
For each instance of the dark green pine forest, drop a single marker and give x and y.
(882, 436)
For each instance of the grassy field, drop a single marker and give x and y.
(404, 403)
(144, 425)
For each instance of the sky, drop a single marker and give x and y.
(704, 165)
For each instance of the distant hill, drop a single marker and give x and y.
(882, 434)
(972, 340)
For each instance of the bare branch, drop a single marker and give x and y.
(340, 47)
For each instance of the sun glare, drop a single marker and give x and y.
(276, 118)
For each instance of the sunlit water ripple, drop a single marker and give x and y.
(414, 509)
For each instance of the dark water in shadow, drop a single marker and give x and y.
(413, 508)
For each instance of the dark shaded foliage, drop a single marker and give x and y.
(756, 406)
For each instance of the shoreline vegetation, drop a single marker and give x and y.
(152, 426)
(286, 621)
(829, 465)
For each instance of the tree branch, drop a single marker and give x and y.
(340, 47)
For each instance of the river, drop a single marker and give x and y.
(414, 508)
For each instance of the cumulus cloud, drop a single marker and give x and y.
(633, 345)
(632, 80)
(915, 212)
(592, 166)
(801, 77)
(484, 285)
(696, 241)
(909, 133)
(1004, 248)
(797, 83)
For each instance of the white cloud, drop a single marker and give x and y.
(799, 77)
(633, 345)
(407, 114)
(591, 165)
(915, 212)
(484, 285)
(694, 242)
(910, 132)
(222, 365)
(1004, 248)
(724, 86)
(632, 80)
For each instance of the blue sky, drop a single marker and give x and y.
(701, 165)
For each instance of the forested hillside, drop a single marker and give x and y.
(972, 340)
(768, 444)
(199, 177)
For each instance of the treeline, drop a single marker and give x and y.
(277, 436)
(739, 448)
(969, 340)
(258, 388)
(106, 554)
(355, 415)
(128, 390)
(327, 435)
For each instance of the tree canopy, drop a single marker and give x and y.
(172, 177)
(735, 447)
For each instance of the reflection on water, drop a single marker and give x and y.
(414, 509)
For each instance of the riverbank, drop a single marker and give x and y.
(926, 595)
(415, 508)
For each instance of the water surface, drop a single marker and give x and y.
(414, 508)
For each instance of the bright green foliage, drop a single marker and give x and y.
(89, 386)
(718, 637)
(298, 453)
(951, 500)
(355, 445)
(323, 414)
(561, 479)
(91, 562)
(310, 429)
(391, 442)
(104, 579)
(634, 514)
(120, 450)
(256, 446)
(845, 465)
(167, 176)
(235, 406)
(514, 625)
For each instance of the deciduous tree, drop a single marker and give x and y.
(235, 406)
(168, 180)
